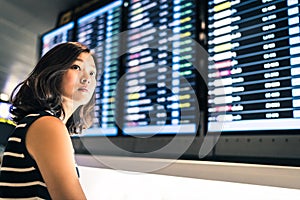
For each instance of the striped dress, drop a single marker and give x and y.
(20, 176)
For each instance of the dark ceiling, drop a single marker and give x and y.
(21, 23)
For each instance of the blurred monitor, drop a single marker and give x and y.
(56, 36)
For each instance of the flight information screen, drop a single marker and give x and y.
(57, 36)
(98, 30)
(254, 71)
(160, 78)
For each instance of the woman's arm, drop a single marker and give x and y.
(49, 143)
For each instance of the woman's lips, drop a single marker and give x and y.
(83, 89)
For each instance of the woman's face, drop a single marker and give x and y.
(79, 81)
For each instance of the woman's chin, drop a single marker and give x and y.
(81, 102)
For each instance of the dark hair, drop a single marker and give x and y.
(42, 89)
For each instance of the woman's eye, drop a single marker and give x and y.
(76, 67)
(92, 73)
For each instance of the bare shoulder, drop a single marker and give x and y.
(47, 123)
(46, 133)
(47, 126)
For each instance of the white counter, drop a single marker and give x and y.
(108, 177)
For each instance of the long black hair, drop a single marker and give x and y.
(42, 88)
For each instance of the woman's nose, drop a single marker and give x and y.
(84, 79)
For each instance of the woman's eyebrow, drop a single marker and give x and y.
(79, 59)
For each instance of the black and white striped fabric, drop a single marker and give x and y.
(20, 177)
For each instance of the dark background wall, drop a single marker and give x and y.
(21, 23)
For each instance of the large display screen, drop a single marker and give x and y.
(160, 83)
(98, 30)
(56, 36)
(254, 75)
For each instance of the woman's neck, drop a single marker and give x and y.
(69, 109)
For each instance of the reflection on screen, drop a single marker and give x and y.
(255, 76)
(98, 30)
(57, 36)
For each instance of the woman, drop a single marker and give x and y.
(56, 100)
